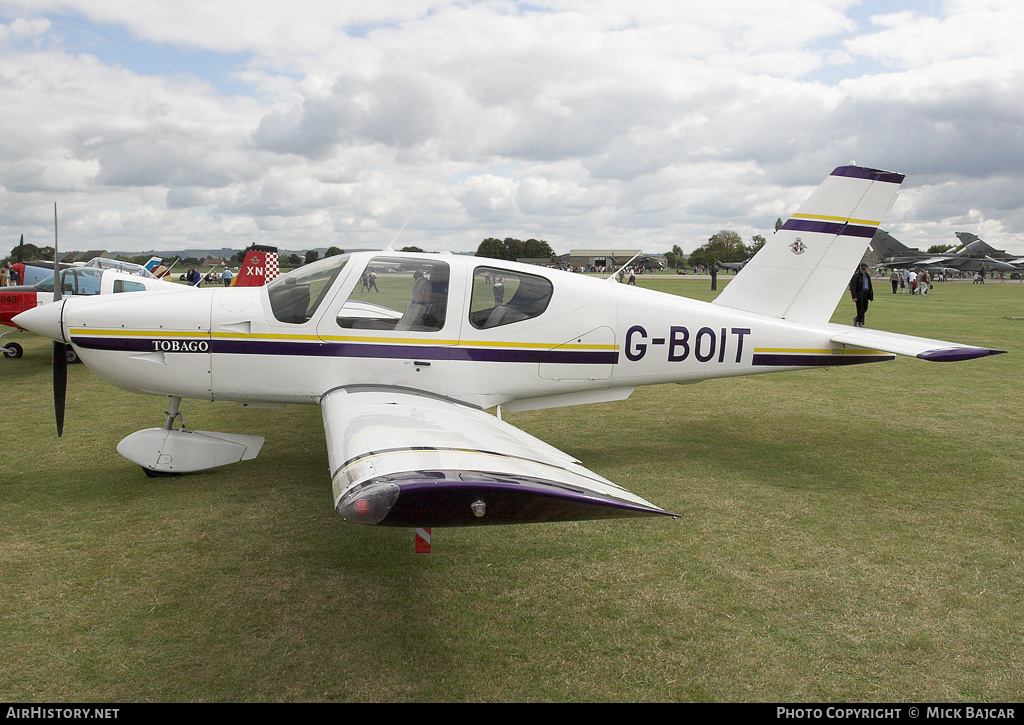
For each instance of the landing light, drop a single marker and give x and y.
(479, 508)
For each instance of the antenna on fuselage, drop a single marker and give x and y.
(391, 244)
(611, 278)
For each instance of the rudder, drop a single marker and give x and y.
(804, 269)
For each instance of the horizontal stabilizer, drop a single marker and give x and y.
(919, 347)
(402, 459)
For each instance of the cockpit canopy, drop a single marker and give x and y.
(410, 294)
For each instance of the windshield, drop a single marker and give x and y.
(77, 281)
(295, 297)
(399, 294)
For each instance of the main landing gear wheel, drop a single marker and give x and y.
(158, 474)
(13, 351)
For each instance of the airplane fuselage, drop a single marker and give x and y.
(587, 340)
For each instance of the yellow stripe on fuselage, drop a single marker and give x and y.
(191, 334)
(815, 351)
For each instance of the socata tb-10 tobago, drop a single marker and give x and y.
(404, 353)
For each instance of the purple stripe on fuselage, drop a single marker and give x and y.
(345, 349)
(535, 356)
(776, 359)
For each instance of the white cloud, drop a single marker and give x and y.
(578, 122)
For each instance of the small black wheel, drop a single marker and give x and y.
(158, 474)
(71, 355)
(13, 351)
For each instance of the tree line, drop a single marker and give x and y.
(512, 249)
(725, 246)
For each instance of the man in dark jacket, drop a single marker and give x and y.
(860, 289)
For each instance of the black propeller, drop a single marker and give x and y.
(58, 356)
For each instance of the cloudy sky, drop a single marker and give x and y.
(588, 123)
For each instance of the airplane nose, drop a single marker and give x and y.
(44, 320)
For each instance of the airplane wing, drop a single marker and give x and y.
(919, 347)
(400, 458)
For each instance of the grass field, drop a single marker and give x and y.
(847, 535)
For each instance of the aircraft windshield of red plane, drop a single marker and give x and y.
(126, 267)
(76, 281)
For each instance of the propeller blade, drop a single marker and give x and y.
(57, 281)
(59, 355)
(59, 361)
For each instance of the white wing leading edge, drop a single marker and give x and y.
(401, 458)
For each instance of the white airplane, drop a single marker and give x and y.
(405, 353)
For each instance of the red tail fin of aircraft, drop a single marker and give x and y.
(259, 268)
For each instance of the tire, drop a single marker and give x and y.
(13, 351)
(158, 474)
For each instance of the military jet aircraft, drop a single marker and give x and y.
(892, 253)
(977, 255)
(406, 353)
(973, 255)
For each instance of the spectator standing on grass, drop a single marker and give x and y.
(862, 293)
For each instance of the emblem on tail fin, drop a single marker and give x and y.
(798, 246)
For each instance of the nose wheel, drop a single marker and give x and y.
(13, 351)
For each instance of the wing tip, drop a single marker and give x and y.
(956, 354)
(466, 498)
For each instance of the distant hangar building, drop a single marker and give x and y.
(610, 258)
(601, 257)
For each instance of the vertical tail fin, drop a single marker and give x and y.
(886, 245)
(259, 268)
(806, 266)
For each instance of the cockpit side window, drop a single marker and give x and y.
(295, 297)
(125, 285)
(501, 297)
(398, 294)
